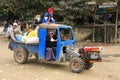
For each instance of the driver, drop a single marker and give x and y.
(50, 47)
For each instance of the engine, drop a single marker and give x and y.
(90, 53)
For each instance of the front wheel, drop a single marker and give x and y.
(77, 64)
(88, 65)
(20, 55)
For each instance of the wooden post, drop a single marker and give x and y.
(116, 27)
(93, 38)
(105, 34)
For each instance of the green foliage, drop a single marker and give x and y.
(30, 8)
(25, 9)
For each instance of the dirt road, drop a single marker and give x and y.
(36, 70)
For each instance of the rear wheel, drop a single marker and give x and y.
(88, 65)
(77, 64)
(36, 56)
(21, 55)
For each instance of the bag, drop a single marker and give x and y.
(32, 40)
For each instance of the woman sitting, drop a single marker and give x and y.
(50, 47)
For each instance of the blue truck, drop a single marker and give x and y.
(83, 59)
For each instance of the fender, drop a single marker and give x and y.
(72, 52)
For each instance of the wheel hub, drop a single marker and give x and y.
(76, 64)
(20, 55)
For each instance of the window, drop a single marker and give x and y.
(66, 34)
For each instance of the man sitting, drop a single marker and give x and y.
(50, 47)
(13, 30)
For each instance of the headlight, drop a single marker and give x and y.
(94, 55)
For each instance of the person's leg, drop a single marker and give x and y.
(54, 50)
(48, 54)
(65, 53)
(54, 53)
(4, 29)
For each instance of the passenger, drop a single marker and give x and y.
(30, 34)
(13, 30)
(50, 47)
(17, 29)
(5, 26)
(37, 18)
(48, 17)
(17, 32)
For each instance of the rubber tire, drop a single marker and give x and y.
(23, 55)
(88, 65)
(81, 65)
(36, 56)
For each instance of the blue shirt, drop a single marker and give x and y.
(46, 16)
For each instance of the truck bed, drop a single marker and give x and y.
(30, 47)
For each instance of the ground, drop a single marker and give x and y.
(37, 70)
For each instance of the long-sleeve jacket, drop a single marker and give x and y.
(49, 43)
(48, 18)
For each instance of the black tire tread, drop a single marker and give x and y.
(81, 63)
(25, 52)
(88, 65)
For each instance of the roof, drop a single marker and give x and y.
(51, 25)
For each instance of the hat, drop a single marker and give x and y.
(50, 10)
(15, 24)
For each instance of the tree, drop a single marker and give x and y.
(25, 9)
(71, 9)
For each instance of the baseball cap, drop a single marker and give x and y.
(50, 10)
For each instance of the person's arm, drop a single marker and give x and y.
(55, 40)
(45, 19)
(52, 20)
(11, 33)
(19, 29)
